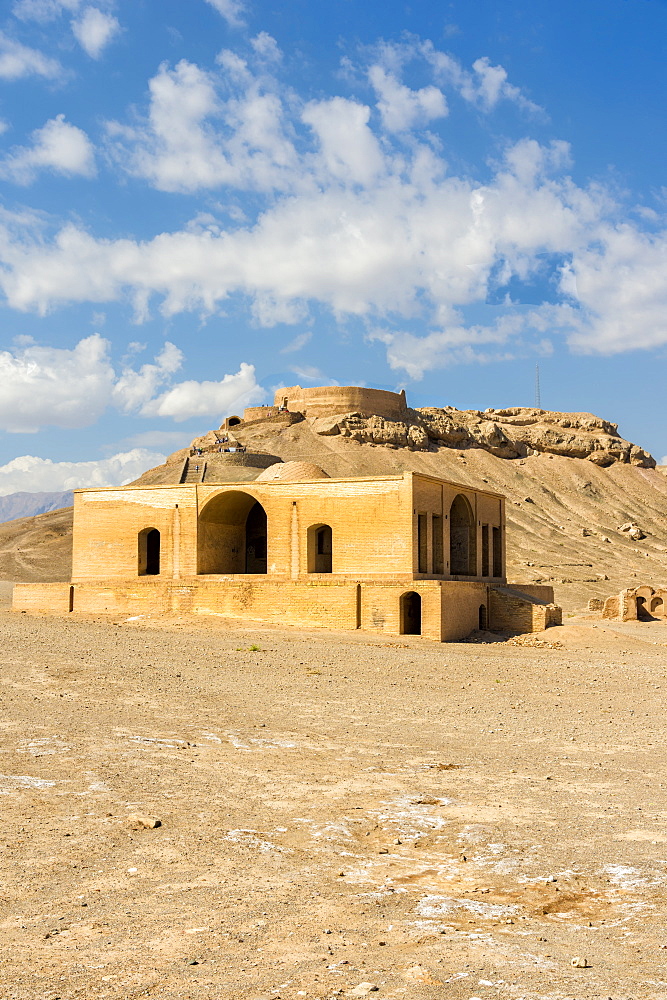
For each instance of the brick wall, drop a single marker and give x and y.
(518, 611)
(52, 598)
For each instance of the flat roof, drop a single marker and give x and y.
(249, 483)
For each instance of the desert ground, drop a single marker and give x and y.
(338, 811)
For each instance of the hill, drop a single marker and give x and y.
(16, 505)
(571, 484)
(37, 548)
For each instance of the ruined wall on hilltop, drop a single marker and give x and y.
(329, 399)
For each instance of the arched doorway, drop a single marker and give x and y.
(411, 614)
(483, 623)
(462, 538)
(149, 552)
(320, 548)
(232, 535)
(643, 613)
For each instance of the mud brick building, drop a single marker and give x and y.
(403, 554)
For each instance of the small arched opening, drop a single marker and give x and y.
(462, 538)
(149, 552)
(658, 607)
(233, 421)
(411, 614)
(320, 548)
(483, 618)
(232, 535)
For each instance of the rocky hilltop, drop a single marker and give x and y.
(510, 433)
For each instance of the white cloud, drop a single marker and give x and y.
(485, 87)
(135, 389)
(357, 212)
(193, 140)
(374, 238)
(231, 10)
(18, 61)
(57, 146)
(94, 30)
(266, 47)
(620, 288)
(43, 11)
(42, 386)
(48, 385)
(402, 108)
(450, 346)
(297, 343)
(34, 475)
(205, 399)
(490, 85)
(349, 150)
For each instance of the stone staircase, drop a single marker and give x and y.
(194, 471)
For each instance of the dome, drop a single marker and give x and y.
(291, 472)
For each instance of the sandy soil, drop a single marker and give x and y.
(454, 821)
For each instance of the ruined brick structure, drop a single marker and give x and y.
(642, 603)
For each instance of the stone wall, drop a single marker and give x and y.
(260, 412)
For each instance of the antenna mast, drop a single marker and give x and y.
(538, 401)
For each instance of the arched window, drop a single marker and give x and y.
(411, 614)
(462, 538)
(320, 548)
(149, 552)
(232, 535)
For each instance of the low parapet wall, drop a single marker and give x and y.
(322, 400)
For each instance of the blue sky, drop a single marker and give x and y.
(205, 199)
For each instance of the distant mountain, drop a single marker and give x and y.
(16, 505)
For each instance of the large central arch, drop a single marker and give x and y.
(462, 538)
(232, 535)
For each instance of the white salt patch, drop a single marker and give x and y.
(236, 743)
(411, 818)
(22, 781)
(440, 906)
(42, 748)
(625, 877)
(168, 744)
(251, 838)
(258, 743)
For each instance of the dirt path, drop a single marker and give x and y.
(454, 821)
